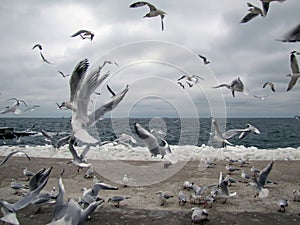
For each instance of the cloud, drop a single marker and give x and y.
(211, 28)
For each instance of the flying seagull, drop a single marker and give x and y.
(271, 84)
(235, 85)
(11, 154)
(15, 107)
(153, 11)
(205, 60)
(295, 71)
(63, 74)
(152, 142)
(261, 180)
(266, 4)
(254, 11)
(38, 46)
(31, 108)
(84, 34)
(44, 59)
(292, 35)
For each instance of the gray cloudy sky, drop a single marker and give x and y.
(150, 60)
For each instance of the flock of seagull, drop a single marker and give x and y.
(83, 84)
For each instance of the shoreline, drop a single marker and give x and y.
(143, 207)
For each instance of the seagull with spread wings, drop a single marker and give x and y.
(266, 4)
(84, 34)
(153, 11)
(254, 11)
(295, 71)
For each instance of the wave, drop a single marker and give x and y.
(183, 153)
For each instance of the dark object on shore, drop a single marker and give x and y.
(9, 133)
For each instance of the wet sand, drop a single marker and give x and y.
(143, 206)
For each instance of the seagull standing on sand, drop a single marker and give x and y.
(295, 71)
(117, 199)
(235, 85)
(271, 84)
(199, 215)
(151, 142)
(163, 197)
(282, 203)
(254, 11)
(153, 11)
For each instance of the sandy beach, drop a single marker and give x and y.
(143, 206)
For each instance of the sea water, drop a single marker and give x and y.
(189, 138)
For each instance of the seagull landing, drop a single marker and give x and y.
(153, 11)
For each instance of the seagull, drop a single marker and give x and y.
(11, 154)
(231, 169)
(152, 142)
(254, 170)
(89, 173)
(32, 108)
(117, 199)
(84, 34)
(49, 137)
(295, 71)
(70, 212)
(27, 173)
(266, 4)
(245, 176)
(63, 74)
(9, 209)
(125, 181)
(296, 194)
(292, 35)
(254, 11)
(44, 59)
(282, 203)
(261, 180)
(297, 117)
(223, 191)
(219, 136)
(249, 129)
(38, 46)
(199, 215)
(235, 85)
(124, 139)
(79, 160)
(205, 61)
(90, 195)
(271, 84)
(260, 97)
(153, 11)
(15, 107)
(193, 78)
(163, 197)
(82, 86)
(182, 199)
(17, 186)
